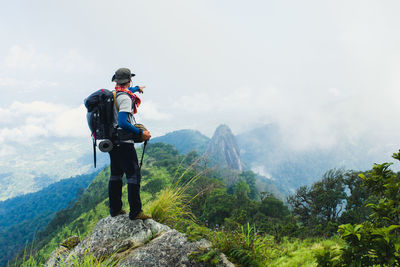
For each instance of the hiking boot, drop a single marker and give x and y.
(118, 213)
(142, 216)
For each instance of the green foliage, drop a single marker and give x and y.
(210, 257)
(88, 260)
(245, 246)
(155, 185)
(328, 256)
(250, 178)
(170, 206)
(376, 241)
(273, 207)
(242, 189)
(325, 204)
(162, 155)
(193, 230)
(356, 208)
(172, 203)
(216, 207)
(29, 262)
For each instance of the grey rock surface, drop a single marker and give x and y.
(135, 243)
(155, 227)
(170, 249)
(112, 235)
(61, 253)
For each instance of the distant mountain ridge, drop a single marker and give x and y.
(264, 151)
(185, 140)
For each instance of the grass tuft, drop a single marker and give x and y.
(173, 204)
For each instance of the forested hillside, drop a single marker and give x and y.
(184, 141)
(22, 217)
(252, 228)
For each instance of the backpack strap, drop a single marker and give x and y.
(115, 95)
(115, 100)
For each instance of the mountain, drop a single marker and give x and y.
(223, 150)
(185, 179)
(23, 216)
(184, 141)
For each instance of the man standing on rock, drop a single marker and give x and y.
(123, 156)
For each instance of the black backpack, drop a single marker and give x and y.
(99, 116)
(100, 113)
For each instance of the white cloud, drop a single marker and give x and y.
(36, 108)
(23, 57)
(29, 121)
(322, 119)
(150, 111)
(73, 61)
(6, 150)
(26, 57)
(21, 87)
(71, 123)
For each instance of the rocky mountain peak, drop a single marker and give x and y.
(223, 149)
(223, 130)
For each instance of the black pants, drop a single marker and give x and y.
(124, 160)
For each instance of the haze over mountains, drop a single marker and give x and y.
(264, 151)
(28, 167)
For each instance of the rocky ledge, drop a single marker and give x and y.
(133, 243)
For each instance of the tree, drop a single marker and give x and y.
(155, 185)
(217, 207)
(375, 241)
(272, 207)
(320, 206)
(357, 198)
(250, 178)
(241, 189)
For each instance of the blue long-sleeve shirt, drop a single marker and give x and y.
(123, 118)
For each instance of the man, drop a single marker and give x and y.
(123, 156)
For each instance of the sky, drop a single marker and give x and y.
(324, 71)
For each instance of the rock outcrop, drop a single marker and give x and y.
(223, 150)
(134, 243)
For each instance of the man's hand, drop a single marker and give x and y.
(141, 89)
(146, 135)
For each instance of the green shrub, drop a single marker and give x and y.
(245, 246)
(207, 256)
(377, 240)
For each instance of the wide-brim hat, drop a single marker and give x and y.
(122, 75)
